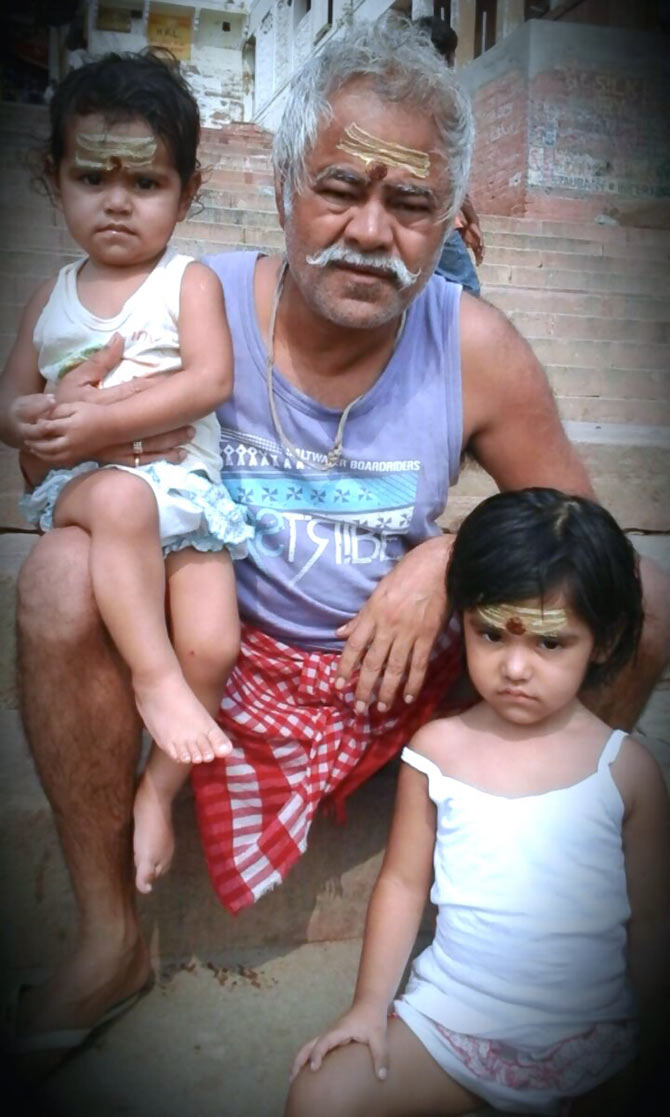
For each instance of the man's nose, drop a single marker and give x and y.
(369, 226)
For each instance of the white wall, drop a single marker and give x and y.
(215, 69)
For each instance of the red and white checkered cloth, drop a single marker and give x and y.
(298, 741)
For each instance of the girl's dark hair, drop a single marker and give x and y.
(123, 86)
(535, 542)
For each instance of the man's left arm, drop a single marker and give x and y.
(512, 427)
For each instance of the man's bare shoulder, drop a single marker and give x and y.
(637, 773)
(491, 344)
(511, 423)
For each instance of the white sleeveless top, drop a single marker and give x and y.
(530, 941)
(67, 333)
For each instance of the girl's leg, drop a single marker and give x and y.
(119, 512)
(206, 637)
(346, 1086)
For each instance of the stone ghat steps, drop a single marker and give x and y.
(608, 305)
(324, 896)
(493, 224)
(629, 466)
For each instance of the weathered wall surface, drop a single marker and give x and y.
(214, 70)
(572, 123)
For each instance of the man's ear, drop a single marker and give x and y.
(279, 198)
(188, 194)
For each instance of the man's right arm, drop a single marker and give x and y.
(82, 385)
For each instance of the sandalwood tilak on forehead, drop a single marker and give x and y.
(103, 152)
(370, 149)
(518, 619)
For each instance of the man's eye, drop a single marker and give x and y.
(91, 178)
(550, 643)
(146, 183)
(492, 635)
(338, 194)
(406, 205)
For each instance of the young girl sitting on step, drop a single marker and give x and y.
(546, 838)
(122, 165)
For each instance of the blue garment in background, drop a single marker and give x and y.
(455, 263)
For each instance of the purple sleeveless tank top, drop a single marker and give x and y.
(324, 539)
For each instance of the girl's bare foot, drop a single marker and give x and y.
(177, 721)
(153, 837)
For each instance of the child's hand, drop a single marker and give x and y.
(361, 1024)
(74, 432)
(27, 415)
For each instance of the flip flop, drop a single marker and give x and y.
(64, 1040)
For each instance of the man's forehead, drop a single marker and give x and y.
(376, 152)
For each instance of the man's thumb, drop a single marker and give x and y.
(109, 356)
(380, 1059)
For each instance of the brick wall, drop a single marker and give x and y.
(572, 123)
(499, 158)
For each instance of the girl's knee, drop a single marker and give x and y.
(122, 501)
(319, 1092)
(207, 660)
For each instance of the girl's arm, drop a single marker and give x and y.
(23, 404)
(393, 918)
(79, 429)
(646, 842)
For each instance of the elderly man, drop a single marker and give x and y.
(360, 382)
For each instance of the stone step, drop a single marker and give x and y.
(657, 249)
(606, 281)
(631, 307)
(323, 897)
(576, 261)
(602, 354)
(607, 409)
(257, 198)
(33, 261)
(54, 238)
(227, 177)
(226, 207)
(583, 230)
(213, 1037)
(544, 324)
(212, 214)
(628, 465)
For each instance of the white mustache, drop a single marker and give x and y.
(338, 254)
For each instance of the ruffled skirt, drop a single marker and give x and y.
(192, 510)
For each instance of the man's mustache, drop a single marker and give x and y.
(391, 265)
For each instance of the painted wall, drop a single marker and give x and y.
(215, 70)
(571, 122)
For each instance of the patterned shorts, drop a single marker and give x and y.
(526, 1079)
(297, 742)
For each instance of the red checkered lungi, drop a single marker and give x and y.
(297, 742)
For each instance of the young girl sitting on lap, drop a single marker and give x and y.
(546, 836)
(122, 165)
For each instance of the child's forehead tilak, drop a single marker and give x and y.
(103, 150)
(519, 619)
